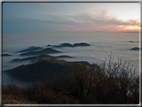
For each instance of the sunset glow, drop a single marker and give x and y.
(71, 52)
(43, 17)
(133, 28)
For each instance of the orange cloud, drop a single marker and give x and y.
(101, 21)
(108, 28)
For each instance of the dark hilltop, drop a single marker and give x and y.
(70, 45)
(43, 51)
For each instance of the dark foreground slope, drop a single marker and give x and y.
(74, 83)
(45, 67)
(43, 56)
(38, 71)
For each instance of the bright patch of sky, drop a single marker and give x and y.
(43, 17)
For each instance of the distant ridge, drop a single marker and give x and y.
(31, 48)
(44, 51)
(6, 55)
(136, 48)
(70, 45)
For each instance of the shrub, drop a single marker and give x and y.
(115, 82)
(110, 83)
(12, 89)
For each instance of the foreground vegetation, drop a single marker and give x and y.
(110, 83)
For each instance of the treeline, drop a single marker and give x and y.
(111, 83)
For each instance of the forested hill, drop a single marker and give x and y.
(46, 67)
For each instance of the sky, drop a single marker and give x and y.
(45, 17)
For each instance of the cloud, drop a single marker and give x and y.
(53, 19)
(107, 28)
(100, 21)
(22, 25)
(15, 25)
(101, 18)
